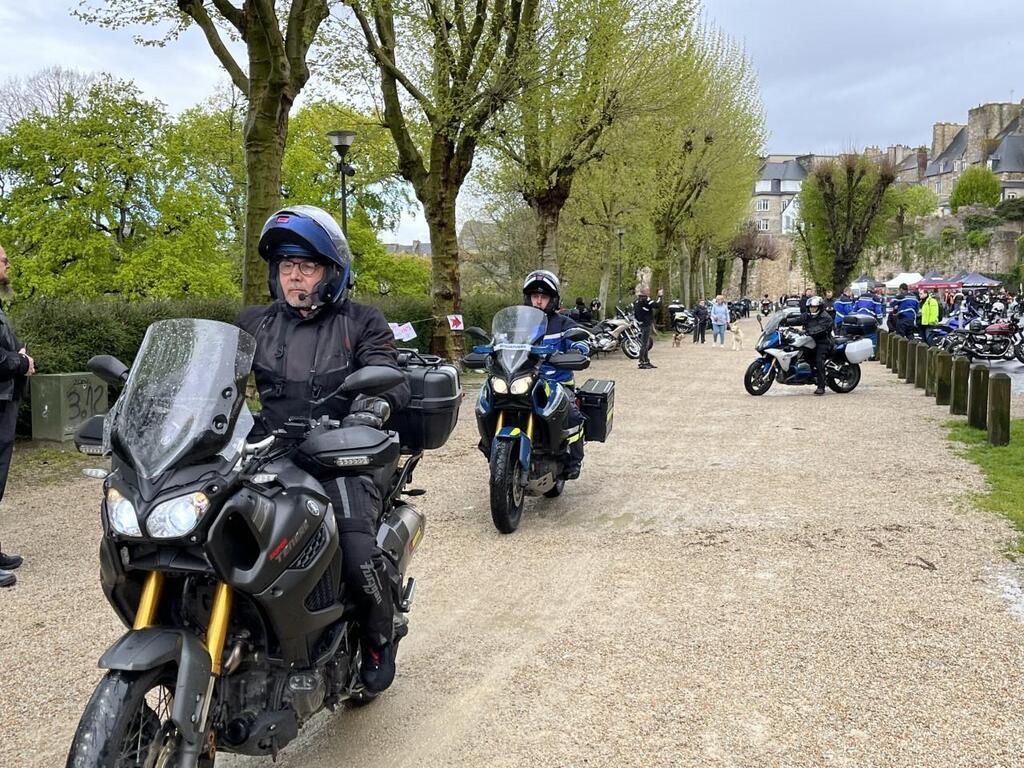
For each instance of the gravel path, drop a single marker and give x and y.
(728, 585)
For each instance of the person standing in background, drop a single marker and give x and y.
(15, 366)
(643, 311)
(719, 320)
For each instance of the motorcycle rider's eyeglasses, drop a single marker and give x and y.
(306, 268)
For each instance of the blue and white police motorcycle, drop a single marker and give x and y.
(784, 357)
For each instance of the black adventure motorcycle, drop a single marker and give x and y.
(521, 416)
(221, 556)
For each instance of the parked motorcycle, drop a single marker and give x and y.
(222, 556)
(783, 358)
(681, 317)
(522, 417)
(981, 340)
(620, 332)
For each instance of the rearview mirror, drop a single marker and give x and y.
(478, 333)
(570, 361)
(372, 380)
(576, 334)
(108, 368)
(89, 435)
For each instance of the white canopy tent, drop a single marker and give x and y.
(904, 277)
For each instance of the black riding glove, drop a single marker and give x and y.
(368, 412)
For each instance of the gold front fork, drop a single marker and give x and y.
(529, 427)
(217, 631)
(145, 616)
(501, 422)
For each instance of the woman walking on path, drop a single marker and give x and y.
(719, 320)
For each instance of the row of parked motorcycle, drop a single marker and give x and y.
(990, 333)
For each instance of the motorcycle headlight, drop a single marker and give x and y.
(499, 385)
(121, 514)
(521, 385)
(177, 517)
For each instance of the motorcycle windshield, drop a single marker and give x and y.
(515, 330)
(183, 395)
(772, 323)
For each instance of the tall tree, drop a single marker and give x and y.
(45, 92)
(976, 186)
(841, 203)
(277, 38)
(444, 71)
(751, 246)
(588, 65)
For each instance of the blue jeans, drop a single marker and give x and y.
(718, 331)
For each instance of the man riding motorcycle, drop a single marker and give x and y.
(817, 324)
(307, 342)
(542, 290)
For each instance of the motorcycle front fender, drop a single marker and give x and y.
(525, 448)
(139, 650)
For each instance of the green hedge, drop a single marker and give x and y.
(61, 335)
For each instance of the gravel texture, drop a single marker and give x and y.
(735, 581)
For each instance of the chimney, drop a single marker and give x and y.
(922, 162)
(942, 136)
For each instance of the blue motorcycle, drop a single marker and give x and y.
(522, 416)
(783, 358)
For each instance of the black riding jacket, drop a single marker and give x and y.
(818, 327)
(299, 360)
(644, 308)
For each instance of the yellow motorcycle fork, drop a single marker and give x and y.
(220, 615)
(529, 425)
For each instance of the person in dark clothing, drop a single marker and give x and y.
(905, 309)
(808, 293)
(817, 324)
(581, 313)
(700, 321)
(643, 311)
(15, 367)
(542, 290)
(307, 342)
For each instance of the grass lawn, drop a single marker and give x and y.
(1003, 467)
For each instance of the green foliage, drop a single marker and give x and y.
(977, 239)
(93, 202)
(976, 186)
(949, 237)
(976, 222)
(62, 334)
(1011, 209)
(845, 208)
(1020, 248)
(1001, 466)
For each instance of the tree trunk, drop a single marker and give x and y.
(444, 271)
(606, 272)
(547, 216)
(264, 154)
(744, 276)
(684, 273)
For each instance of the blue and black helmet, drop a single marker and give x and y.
(308, 232)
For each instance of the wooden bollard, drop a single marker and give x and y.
(929, 382)
(921, 365)
(894, 352)
(911, 368)
(999, 409)
(901, 360)
(883, 346)
(977, 397)
(943, 373)
(958, 386)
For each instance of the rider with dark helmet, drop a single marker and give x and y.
(307, 342)
(818, 325)
(542, 290)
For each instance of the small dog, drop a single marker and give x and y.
(737, 336)
(677, 339)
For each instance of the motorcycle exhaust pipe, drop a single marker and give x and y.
(401, 533)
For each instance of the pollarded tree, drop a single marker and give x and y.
(750, 246)
(277, 38)
(445, 68)
(589, 65)
(976, 186)
(841, 209)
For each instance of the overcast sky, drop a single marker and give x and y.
(833, 75)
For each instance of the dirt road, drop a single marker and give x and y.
(787, 580)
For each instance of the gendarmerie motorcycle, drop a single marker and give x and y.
(682, 318)
(222, 556)
(522, 417)
(782, 356)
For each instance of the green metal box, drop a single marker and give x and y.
(62, 401)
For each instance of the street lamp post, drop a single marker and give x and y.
(618, 281)
(341, 141)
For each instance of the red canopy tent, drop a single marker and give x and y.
(938, 284)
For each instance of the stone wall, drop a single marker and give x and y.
(983, 124)
(784, 275)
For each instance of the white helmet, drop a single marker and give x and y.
(998, 307)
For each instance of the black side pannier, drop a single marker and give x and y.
(859, 325)
(433, 410)
(597, 401)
